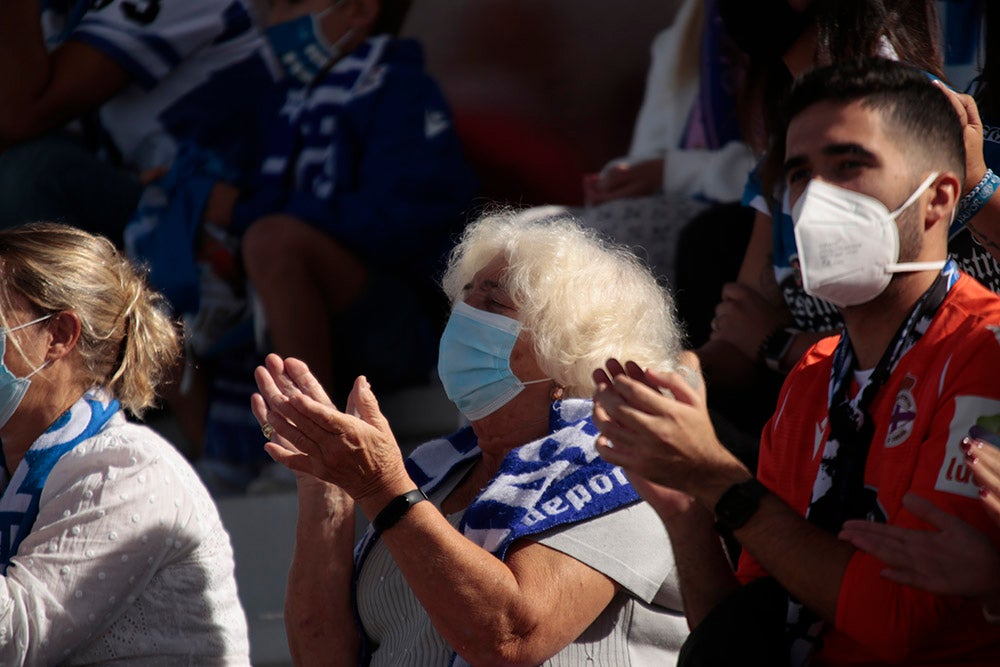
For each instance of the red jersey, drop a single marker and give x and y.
(946, 382)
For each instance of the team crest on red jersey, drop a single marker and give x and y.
(904, 413)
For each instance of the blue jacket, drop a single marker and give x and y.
(369, 155)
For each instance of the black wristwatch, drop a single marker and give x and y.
(776, 346)
(397, 507)
(737, 505)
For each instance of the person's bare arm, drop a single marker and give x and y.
(984, 225)
(515, 612)
(319, 619)
(520, 611)
(703, 567)
(40, 91)
(669, 440)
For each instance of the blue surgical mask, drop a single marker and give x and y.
(301, 47)
(474, 361)
(13, 389)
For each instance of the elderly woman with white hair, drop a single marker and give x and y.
(532, 549)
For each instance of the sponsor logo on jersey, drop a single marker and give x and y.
(955, 475)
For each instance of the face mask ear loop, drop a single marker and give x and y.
(916, 193)
(910, 267)
(28, 324)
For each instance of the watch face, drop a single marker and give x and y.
(739, 503)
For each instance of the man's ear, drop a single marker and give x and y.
(65, 329)
(945, 192)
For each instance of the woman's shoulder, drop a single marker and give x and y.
(123, 447)
(134, 462)
(629, 544)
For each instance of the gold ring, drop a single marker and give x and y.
(267, 430)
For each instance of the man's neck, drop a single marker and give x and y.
(873, 325)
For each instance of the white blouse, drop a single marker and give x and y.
(127, 561)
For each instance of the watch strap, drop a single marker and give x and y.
(776, 346)
(737, 505)
(396, 509)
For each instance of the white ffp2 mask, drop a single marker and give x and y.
(848, 243)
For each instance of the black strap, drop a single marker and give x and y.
(396, 508)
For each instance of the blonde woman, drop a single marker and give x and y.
(110, 548)
(530, 550)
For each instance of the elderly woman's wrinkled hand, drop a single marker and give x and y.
(355, 450)
(956, 559)
(666, 438)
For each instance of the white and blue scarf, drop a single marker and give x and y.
(301, 152)
(22, 492)
(555, 481)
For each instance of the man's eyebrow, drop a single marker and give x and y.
(832, 150)
(848, 149)
(794, 163)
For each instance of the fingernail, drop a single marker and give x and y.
(970, 458)
(983, 493)
(966, 444)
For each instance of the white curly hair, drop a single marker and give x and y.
(585, 299)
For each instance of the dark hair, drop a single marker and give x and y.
(391, 16)
(913, 108)
(845, 29)
(848, 29)
(763, 29)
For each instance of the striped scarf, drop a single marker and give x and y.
(22, 492)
